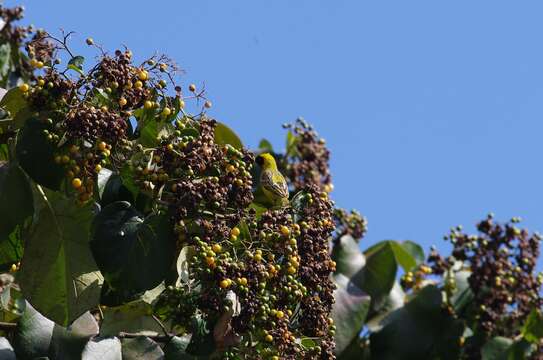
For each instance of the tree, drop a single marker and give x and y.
(131, 227)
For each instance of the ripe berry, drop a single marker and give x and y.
(76, 183)
(143, 75)
(225, 283)
(122, 101)
(166, 111)
(24, 87)
(235, 231)
(192, 87)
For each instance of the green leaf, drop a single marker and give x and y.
(224, 135)
(415, 250)
(68, 281)
(348, 257)
(400, 253)
(349, 311)
(133, 317)
(33, 335)
(176, 348)
(13, 101)
(36, 155)
(134, 254)
(111, 188)
(422, 329)
(377, 277)
(393, 301)
(291, 145)
(16, 202)
(76, 64)
(532, 330)
(202, 342)
(141, 348)
(265, 146)
(68, 343)
(6, 351)
(496, 349)
(102, 349)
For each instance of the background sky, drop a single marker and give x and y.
(432, 109)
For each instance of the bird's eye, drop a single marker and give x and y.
(260, 160)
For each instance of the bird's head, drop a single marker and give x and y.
(266, 160)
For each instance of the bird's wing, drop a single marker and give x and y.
(275, 183)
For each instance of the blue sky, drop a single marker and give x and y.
(432, 109)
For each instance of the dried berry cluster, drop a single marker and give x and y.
(13, 34)
(308, 159)
(502, 261)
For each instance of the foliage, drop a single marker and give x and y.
(132, 228)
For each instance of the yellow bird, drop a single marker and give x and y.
(272, 181)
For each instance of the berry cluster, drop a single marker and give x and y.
(308, 161)
(350, 223)
(275, 264)
(502, 261)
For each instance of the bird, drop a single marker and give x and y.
(272, 181)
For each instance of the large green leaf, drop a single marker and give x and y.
(36, 155)
(16, 203)
(403, 253)
(102, 349)
(133, 317)
(133, 253)
(422, 329)
(533, 327)
(348, 257)
(224, 135)
(6, 351)
(33, 336)
(501, 348)
(68, 281)
(415, 250)
(141, 348)
(349, 312)
(377, 277)
(176, 348)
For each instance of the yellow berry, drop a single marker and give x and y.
(148, 105)
(65, 159)
(122, 101)
(210, 260)
(269, 338)
(89, 41)
(39, 64)
(169, 147)
(243, 281)
(41, 82)
(217, 248)
(291, 270)
(102, 146)
(24, 87)
(181, 104)
(33, 62)
(98, 168)
(76, 183)
(285, 230)
(192, 87)
(235, 231)
(58, 159)
(225, 283)
(138, 84)
(166, 111)
(279, 314)
(230, 168)
(258, 257)
(163, 67)
(13, 267)
(143, 75)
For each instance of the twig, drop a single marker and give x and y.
(7, 325)
(157, 338)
